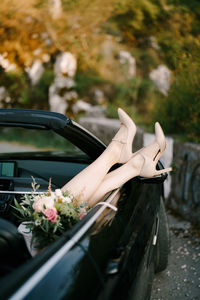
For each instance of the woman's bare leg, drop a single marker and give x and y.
(117, 178)
(83, 185)
(142, 163)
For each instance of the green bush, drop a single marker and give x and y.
(15, 84)
(126, 92)
(136, 18)
(179, 113)
(85, 80)
(23, 94)
(135, 97)
(136, 92)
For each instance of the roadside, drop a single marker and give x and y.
(181, 279)
(14, 147)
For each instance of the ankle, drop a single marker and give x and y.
(136, 162)
(116, 148)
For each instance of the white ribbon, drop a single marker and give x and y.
(108, 205)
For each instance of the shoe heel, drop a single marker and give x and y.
(160, 172)
(148, 169)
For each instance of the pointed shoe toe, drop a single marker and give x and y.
(126, 152)
(160, 137)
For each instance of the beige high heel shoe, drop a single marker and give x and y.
(126, 152)
(151, 155)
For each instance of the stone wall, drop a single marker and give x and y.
(105, 129)
(182, 187)
(185, 190)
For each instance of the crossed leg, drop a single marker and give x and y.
(117, 178)
(142, 163)
(84, 184)
(94, 182)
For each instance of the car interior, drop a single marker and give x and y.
(21, 160)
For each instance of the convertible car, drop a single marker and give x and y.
(106, 255)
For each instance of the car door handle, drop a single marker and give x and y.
(156, 231)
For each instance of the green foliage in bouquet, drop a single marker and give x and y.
(48, 215)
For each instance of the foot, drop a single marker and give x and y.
(125, 136)
(146, 159)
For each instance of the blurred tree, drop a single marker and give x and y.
(95, 31)
(29, 30)
(136, 18)
(22, 29)
(179, 113)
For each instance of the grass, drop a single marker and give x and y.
(42, 140)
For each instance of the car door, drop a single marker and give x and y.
(108, 254)
(123, 248)
(65, 270)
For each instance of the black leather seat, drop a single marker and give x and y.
(13, 250)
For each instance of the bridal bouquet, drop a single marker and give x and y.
(48, 215)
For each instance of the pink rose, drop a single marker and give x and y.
(82, 213)
(42, 203)
(51, 214)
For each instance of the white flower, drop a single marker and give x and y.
(58, 193)
(67, 199)
(52, 195)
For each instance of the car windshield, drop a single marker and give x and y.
(17, 139)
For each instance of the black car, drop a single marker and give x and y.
(110, 256)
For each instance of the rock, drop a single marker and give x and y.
(153, 43)
(96, 111)
(35, 71)
(185, 193)
(4, 96)
(57, 104)
(161, 78)
(128, 60)
(81, 106)
(70, 96)
(98, 96)
(103, 128)
(62, 82)
(60, 93)
(66, 64)
(6, 65)
(46, 57)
